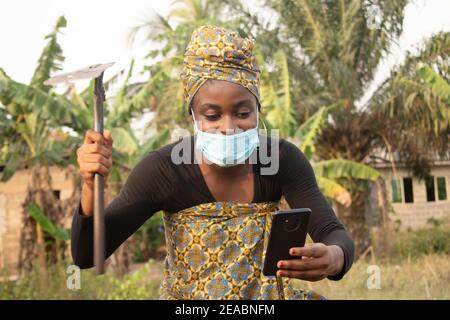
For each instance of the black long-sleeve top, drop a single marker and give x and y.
(157, 183)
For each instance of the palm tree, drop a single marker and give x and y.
(278, 112)
(170, 35)
(282, 107)
(333, 50)
(330, 172)
(415, 93)
(324, 54)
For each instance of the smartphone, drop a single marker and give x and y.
(289, 229)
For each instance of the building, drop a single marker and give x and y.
(12, 195)
(414, 202)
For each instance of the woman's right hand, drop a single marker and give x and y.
(95, 155)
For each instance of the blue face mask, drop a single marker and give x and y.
(227, 150)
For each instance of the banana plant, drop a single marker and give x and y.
(328, 172)
(277, 107)
(40, 128)
(439, 86)
(32, 138)
(32, 115)
(47, 225)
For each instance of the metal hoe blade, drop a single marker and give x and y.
(86, 73)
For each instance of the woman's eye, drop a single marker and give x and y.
(243, 114)
(212, 117)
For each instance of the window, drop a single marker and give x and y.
(408, 188)
(429, 185)
(437, 186)
(396, 191)
(441, 188)
(57, 193)
(402, 190)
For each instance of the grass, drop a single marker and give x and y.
(52, 284)
(427, 277)
(416, 265)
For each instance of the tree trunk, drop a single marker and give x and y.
(34, 242)
(383, 235)
(352, 137)
(354, 220)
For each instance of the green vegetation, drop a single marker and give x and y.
(318, 59)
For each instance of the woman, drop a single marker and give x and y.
(217, 201)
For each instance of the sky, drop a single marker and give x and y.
(97, 32)
(422, 19)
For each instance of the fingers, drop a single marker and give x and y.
(108, 137)
(98, 158)
(95, 155)
(91, 162)
(314, 250)
(92, 136)
(312, 275)
(89, 169)
(312, 266)
(94, 148)
(303, 265)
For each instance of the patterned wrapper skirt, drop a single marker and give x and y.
(216, 251)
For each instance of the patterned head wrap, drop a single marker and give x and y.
(220, 54)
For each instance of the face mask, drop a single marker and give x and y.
(227, 150)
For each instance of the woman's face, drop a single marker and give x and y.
(223, 106)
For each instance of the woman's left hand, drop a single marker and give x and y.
(316, 261)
